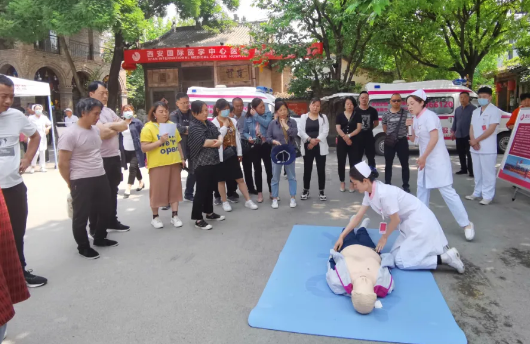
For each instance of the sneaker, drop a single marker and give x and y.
(227, 207)
(126, 194)
(469, 231)
(322, 196)
(486, 201)
(365, 223)
(119, 227)
(43, 169)
(157, 223)
(274, 204)
(201, 224)
(305, 195)
(217, 201)
(293, 203)
(176, 222)
(374, 170)
(188, 198)
(34, 281)
(167, 207)
(251, 205)
(452, 258)
(461, 172)
(215, 217)
(105, 243)
(32, 170)
(406, 189)
(472, 197)
(233, 199)
(89, 253)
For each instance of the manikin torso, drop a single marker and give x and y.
(362, 261)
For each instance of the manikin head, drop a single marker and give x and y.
(363, 296)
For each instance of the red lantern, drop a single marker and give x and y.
(498, 87)
(127, 66)
(511, 85)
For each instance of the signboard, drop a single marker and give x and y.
(233, 75)
(162, 77)
(515, 166)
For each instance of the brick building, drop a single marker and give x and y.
(45, 60)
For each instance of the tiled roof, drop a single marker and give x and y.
(197, 37)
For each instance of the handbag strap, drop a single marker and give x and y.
(399, 123)
(284, 133)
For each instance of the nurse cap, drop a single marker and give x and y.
(68, 109)
(421, 94)
(364, 169)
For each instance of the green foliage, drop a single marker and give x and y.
(208, 13)
(136, 88)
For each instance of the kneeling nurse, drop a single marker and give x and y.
(421, 243)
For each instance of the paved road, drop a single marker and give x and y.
(190, 286)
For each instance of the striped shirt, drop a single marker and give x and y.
(198, 133)
(391, 120)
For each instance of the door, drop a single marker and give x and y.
(168, 94)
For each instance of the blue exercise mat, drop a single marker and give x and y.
(298, 299)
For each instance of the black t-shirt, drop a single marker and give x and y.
(368, 117)
(348, 126)
(312, 128)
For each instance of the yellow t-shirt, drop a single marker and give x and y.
(167, 154)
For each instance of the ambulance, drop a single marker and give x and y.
(443, 97)
(210, 95)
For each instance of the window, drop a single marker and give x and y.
(441, 105)
(49, 44)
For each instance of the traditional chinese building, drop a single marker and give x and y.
(189, 56)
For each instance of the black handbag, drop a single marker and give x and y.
(391, 140)
(229, 152)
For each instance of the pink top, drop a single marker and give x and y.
(110, 147)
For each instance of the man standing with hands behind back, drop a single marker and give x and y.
(460, 132)
(181, 117)
(370, 120)
(109, 125)
(483, 142)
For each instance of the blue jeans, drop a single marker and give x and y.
(358, 237)
(277, 173)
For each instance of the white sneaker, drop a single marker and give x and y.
(274, 204)
(176, 222)
(32, 170)
(452, 258)
(157, 223)
(43, 169)
(469, 231)
(227, 206)
(251, 205)
(486, 201)
(472, 197)
(365, 223)
(293, 203)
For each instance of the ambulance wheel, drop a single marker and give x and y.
(380, 145)
(502, 141)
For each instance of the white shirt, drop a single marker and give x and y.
(323, 131)
(12, 123)
(41, 123)
(481, 121)
(128, 143)
(68, 121)
(438, 171)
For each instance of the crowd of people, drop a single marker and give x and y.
(98, 143)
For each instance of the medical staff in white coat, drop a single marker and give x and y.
(43, 125)
(434, 164)
(483, 141)
(421, 244)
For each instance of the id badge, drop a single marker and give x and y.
(484, 127)
(382, 228)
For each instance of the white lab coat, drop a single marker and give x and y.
(421, 235)
(438, 171)
(223, 132)
(41, 123)
(323, 131)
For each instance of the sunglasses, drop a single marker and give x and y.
(397, 100)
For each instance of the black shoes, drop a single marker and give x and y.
(305, 195)
(322, 196)
(461, 172)
(214, 216)
(34, 281)
(201, 224)
(406, 189)
(89, 253)
(119, 227)
(105, 243)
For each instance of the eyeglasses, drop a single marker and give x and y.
(397, 100)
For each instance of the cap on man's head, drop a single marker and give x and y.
(363, 169)
(421, 94)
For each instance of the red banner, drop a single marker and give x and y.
(194, 54)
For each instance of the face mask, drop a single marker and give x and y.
(127, 114)
(38, 112)
(483, 102)
(225, 113)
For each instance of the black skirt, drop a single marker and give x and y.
(230, 170)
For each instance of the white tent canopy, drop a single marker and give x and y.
(30, 88)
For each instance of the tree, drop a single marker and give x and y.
(208, 13)
(345, 28)
(33, 20)
(455, 35)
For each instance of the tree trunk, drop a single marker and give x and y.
(114, 74)
(80, 87)
(397, 67)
